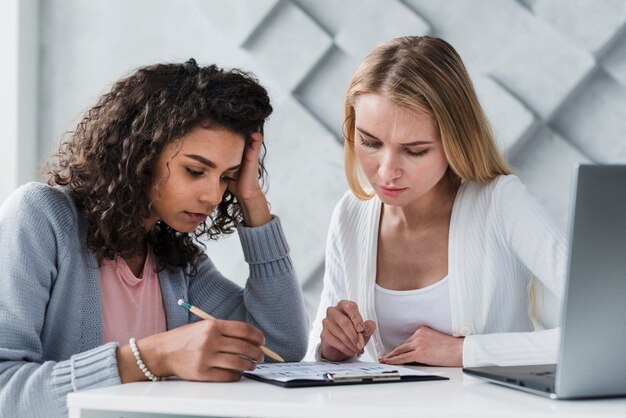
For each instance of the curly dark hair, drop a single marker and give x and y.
(107, 162)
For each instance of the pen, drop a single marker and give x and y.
(200, 313)
(361, 339)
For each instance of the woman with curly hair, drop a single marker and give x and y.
(93, 263)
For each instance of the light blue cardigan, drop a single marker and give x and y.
(51, 330)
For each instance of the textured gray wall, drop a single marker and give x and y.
(551, 75)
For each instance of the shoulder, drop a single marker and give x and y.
(38, 202)
(489, 193)
(351, 208)
(499, 183)
(37, 196)
(353, 218)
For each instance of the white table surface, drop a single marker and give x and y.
(461, 396)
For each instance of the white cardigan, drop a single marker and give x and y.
(500, 237)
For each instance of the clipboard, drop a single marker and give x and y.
(290, 375)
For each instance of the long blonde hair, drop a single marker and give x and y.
(426, 75)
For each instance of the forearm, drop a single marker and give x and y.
(275, 306)
(255, 211)
(273, 298)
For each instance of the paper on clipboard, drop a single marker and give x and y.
(318, 370)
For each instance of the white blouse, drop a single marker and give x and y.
(500, 238)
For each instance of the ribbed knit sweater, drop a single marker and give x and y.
(51, 333)
(500, 237)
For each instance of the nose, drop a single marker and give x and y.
(389, 168)
(211, 192)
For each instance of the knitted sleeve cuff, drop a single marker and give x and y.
(263, 244)
(90, 369)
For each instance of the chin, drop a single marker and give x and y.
(182, 228)
(188, 230)
(391, 201)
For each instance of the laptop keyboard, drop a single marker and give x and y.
(545, 374)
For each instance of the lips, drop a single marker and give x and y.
(391, 191)
(197, 217)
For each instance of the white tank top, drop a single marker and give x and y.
(401, 312)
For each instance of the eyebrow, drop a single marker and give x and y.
(408, 144)
(208, 162)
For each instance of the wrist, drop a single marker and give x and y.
(459, 353)
(151, 354)
(140, 363)
(255, 210)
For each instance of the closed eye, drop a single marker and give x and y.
(369, 144)
(194, 173)
(417, 153)
(225, 178)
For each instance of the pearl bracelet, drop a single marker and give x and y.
(142, 366)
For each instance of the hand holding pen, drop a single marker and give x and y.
(345, 334)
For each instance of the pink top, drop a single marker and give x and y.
(131, 306)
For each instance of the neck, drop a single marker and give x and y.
(430, 208)
(135, 263)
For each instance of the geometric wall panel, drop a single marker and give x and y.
(288, 45)
(550, 74)
(545, 165)
(374, 22)
(595, 119)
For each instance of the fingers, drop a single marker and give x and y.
(253, 147)
(241, 330)
(332, 328)
(240, 347)
(351, 310)
(256, 138)
(403, 358)
(335, 344)
(340, 325)
(401, 349)
(231, 362)
(344, 332)
(370, 327)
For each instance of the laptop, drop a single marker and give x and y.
(592, 354)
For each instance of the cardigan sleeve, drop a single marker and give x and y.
(271, 300)
(540, 244)
(333, 290)
(31, 247)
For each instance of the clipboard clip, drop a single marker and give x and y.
(390, 375)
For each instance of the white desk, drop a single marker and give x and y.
(462, 396)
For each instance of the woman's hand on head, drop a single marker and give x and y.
(428, 346)
(211, 350)
(344, 332)
(247, 187)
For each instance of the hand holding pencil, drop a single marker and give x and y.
(208, 351)
(345, 334)
(200, 313)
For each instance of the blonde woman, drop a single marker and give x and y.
(431, 256)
